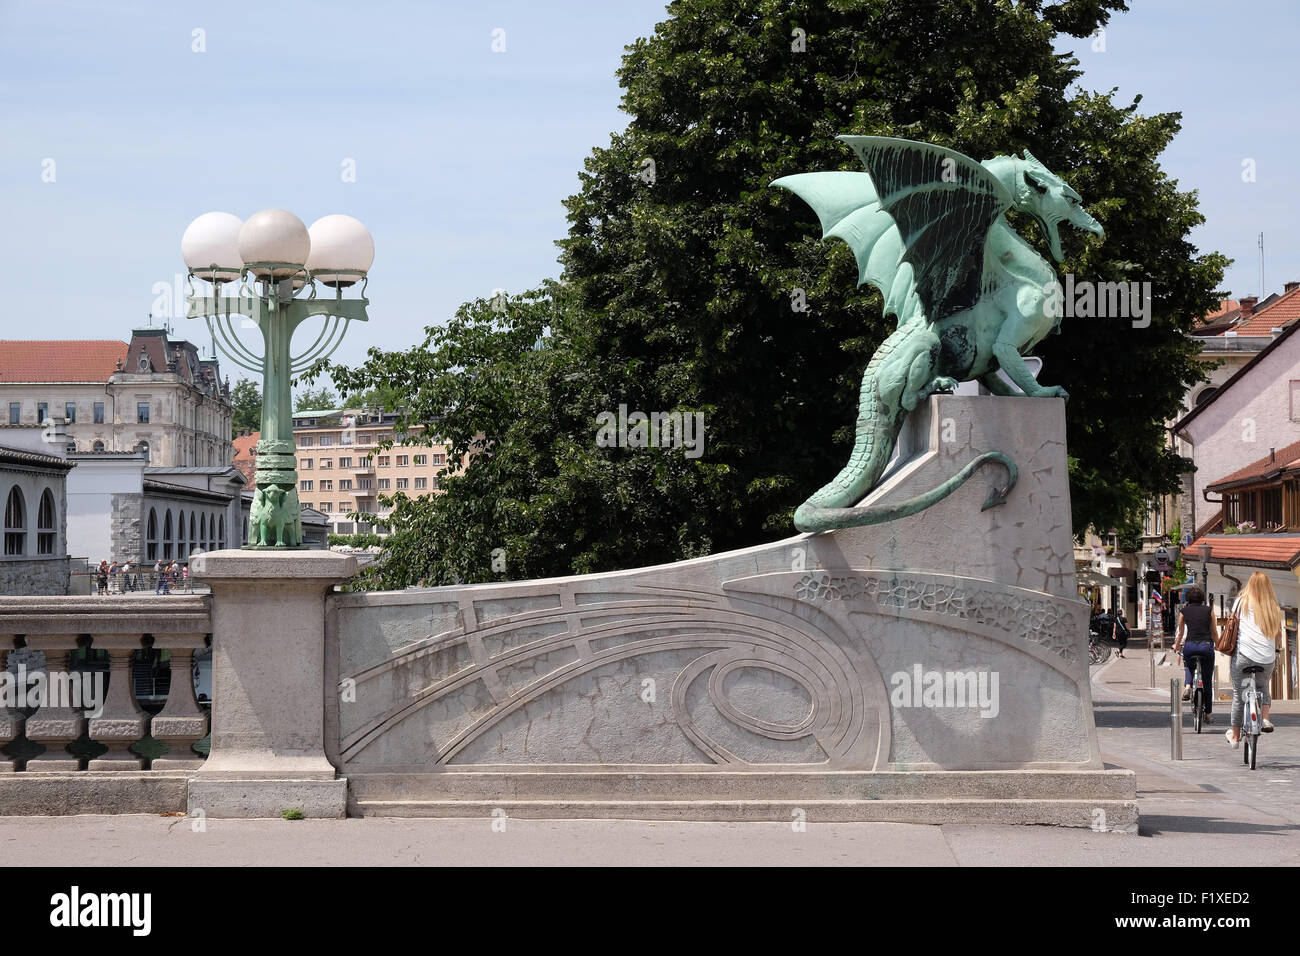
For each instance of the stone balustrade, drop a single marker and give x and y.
(50, 677)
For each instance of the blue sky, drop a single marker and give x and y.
(463, 155)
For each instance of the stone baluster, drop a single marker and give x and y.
(182, 722)
(121, 722)
(11, 718)
(54, 727)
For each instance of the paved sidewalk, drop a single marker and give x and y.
(1206, 808)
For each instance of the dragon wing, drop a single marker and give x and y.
(916, 220)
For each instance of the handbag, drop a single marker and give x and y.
(1226, 643)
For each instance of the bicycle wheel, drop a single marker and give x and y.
(1245, 748)
(1198, 708)
(1254, 749)
(1103, 652)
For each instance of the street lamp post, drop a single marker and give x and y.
(1204, 551)
(284, 258)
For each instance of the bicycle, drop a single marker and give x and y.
(1252, 721)
(1098, 649)
(1198, 697)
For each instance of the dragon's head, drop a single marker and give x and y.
(1047, 198)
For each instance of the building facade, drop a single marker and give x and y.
(341, 470)
(33, 496)
(154, 393)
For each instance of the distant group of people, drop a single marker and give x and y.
(125, 577)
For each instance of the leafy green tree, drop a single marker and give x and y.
(315, 400)
(691, 285)
(386, 399)
(246, 398)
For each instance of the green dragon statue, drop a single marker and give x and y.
(928, 229)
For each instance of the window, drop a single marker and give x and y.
(421, 459)
(402, 461)
(70, 411)
(304, 463)
(327, 486)
(15, 412)
(436, 486)
(327, 506)
(385, 461)
(346, 437)
(306, 441)
(308, 485)
(167, 536)
(152, 537)
(367, 462)
(221, 532)
(71, 447)
(99, 413)
(308, 504)
(384, 484)
(345, 484)
(421, 484)
(402, 483)
(327, 462)
(15, 522)
(345, 462)
(142, 413)
(366, 483)
(98, 446)
(42, 412)
(326, 440)
(440, 459)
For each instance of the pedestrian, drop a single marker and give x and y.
(159, 577)
(185, 575)
(1120, 631)
(1195, 641)
(114, 581)
(102, 577)
(1258, 633)
(127, 581)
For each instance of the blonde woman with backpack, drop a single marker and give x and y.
(1258, 636)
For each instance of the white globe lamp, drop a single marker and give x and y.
(274, 236)
(210, 247)
(342, 251)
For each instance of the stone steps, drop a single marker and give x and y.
(1115, 815)
(1059, 798)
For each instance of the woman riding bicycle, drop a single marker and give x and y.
(1195, 641)
(1258, 634)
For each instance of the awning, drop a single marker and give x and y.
(1123, 574)
(1092, 579)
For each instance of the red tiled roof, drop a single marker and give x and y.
(246, 455)
(68, 360)
(1227, 308)
(1279, 549)
(1282, 458)
(1278, 314)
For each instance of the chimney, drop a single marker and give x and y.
(1291, 286)
(1248, 305)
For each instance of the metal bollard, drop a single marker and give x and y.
(1151, 659)
(1175, 719)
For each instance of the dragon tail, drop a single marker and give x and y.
(879, 423)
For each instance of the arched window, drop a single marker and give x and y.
(167, 536)
(181, 549)
(194, 539)
(15, 523)
(221, 532)
(98, 446)
(152, 537)
(46, 531)
(204, 543)
(1205, 395)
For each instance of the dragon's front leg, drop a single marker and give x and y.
(1013, 363)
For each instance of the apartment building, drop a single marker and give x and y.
(340, 469)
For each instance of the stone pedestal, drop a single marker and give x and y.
(182, 723)
(268, 684)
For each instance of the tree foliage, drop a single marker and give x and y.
(246, 398)
(683, 272)
(315, 400)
